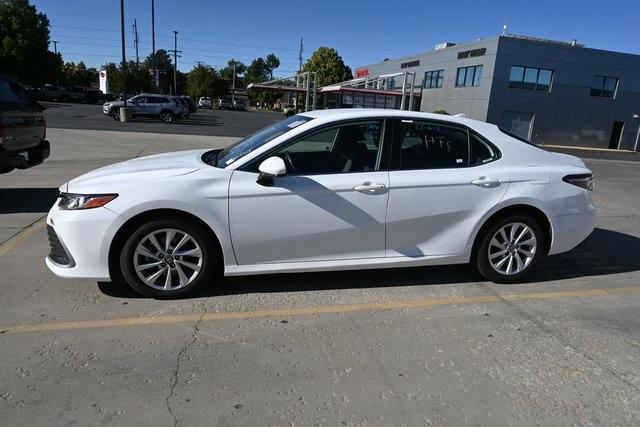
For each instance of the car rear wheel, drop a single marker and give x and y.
(167, 258)
(115, 114)
(166, 117)
(510, 249)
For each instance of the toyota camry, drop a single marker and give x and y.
(324, 190)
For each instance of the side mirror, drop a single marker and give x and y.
(269, 169)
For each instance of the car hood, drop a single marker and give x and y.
(146, 168)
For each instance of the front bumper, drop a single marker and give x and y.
(26, 158)
(80, 242)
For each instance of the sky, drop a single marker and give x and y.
(362, 32)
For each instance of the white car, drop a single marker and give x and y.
(204, 102)
(324, 190)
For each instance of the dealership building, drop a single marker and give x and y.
(548, 91)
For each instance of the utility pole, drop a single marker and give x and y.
(300, 57)
(135, 40)
(156, 76)
(175, 61)
(233, 84)
(124, 58)
(55, 49)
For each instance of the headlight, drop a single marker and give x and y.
(84, 201)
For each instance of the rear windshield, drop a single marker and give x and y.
(519, 138)
(14, 97)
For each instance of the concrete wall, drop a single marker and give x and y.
(568, 115)
(472, 101)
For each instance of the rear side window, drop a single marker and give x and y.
(431, 145)
(481, 150)
(14, 97)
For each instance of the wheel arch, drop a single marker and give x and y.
(125, 230)
(515, 209)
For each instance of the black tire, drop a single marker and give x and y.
(210, 257)
(115, 114)
(166, 117)
(483, 263)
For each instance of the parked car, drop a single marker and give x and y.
(240, 105)
(184, 111)
(60, 93)
(204, 102)
(23, 129)
(325, 190)
(225, 104)
(193, 108)
(166, 108)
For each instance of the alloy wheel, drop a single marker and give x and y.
(166, 117)
(168, 259)
(512, 248)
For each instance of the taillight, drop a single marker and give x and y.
(583, 180)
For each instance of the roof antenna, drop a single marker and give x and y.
(506, 23)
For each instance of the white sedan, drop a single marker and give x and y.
(324, 190)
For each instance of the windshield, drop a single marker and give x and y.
(258, 139)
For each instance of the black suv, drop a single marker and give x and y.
(22, 128)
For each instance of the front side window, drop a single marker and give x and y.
(469, 76)
(604, 86)
(430, 145)
(353, 147)
(243, 147)
(530, 78)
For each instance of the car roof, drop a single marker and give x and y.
(355, 113)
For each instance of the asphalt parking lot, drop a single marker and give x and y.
(204, 122)
(420, 346)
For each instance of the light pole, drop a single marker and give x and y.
(124, 60)
(153, 44)
(175, 62)
(55, 49)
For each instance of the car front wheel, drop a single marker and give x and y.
(166, 117)
(510, 249)
(167, 258)
(115, 114)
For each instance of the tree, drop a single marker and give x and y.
(201, 81)
(227, 72)
(165, 68)
(272, 62)
(24, 42)
(257, 71)
(329, 65)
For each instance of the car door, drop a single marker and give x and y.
(443, 179)
(139, 106)
(331, 204)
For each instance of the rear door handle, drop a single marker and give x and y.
(486, 182)
(369, 187)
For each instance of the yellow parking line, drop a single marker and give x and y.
(22, 235)
(302, 311)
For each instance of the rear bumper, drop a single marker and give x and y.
(572, 229)
(25, 158)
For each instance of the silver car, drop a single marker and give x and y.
(166, 108)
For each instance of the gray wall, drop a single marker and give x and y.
(568, 115)
(472, 101)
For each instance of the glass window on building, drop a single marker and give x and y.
(469, 76)
(433, 79)
(604, 86)
(530, 78)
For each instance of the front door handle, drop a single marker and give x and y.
(369, 187)
(485, 182)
